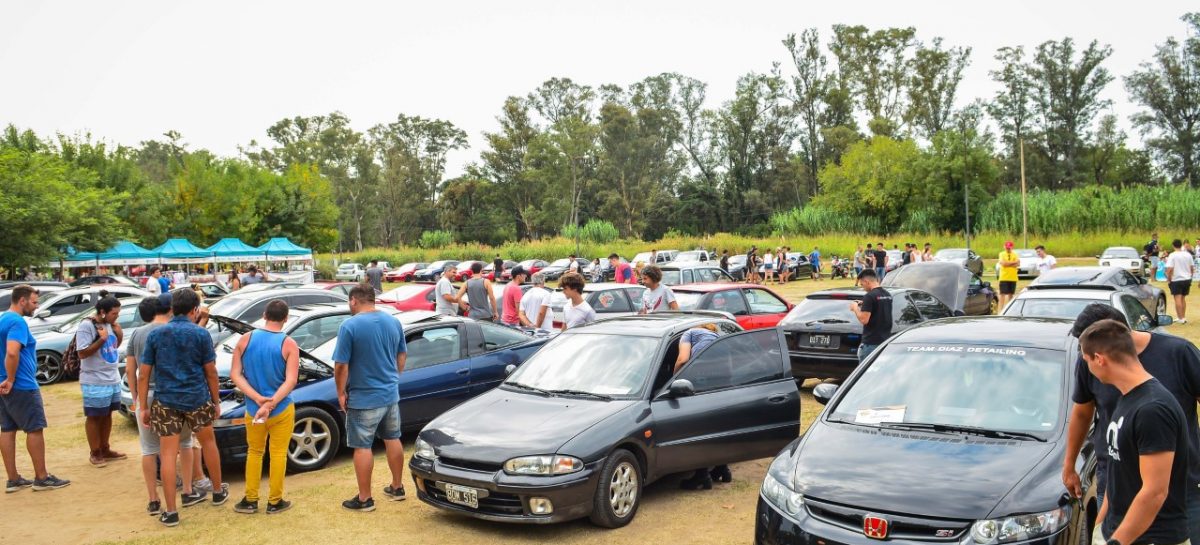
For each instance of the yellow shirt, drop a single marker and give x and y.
(1008, 274)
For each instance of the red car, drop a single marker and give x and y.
(532, 266)
(753, 306)
(404, 273)
(489, 270)
(418, 296)
(463, 270)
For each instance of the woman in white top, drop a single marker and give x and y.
(768, 267)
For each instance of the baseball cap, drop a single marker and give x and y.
(1008, 245)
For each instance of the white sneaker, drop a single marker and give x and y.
(202, 486)
(1181, 321)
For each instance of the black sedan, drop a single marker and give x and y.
(961, 290)
(823, 334)
(953, 431)
(1105, 278)
(434, 271)
(585, 423)
(555, 270)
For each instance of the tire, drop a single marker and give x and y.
(316, 439)
(49, 368)
(619, 492)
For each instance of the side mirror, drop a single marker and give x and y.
(987, 285)
(824, 392)
(1141, 280)
(681, 388)
(508, 369)
(43, 314)
(1164, 320)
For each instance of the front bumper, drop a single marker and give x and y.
(231, 443)
(506, 497)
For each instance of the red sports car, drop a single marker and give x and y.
(753, 306)
(463, 270)
(532, 266)
(418, 296)
(404, 273)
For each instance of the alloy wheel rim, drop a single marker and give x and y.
(623, 489)
(48, 368)
(311, 440)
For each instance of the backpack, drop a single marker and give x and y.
(70, 360)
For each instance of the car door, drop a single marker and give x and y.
(978, 302)
(904, 312)
(437, 373)
(608, 303)
(733, 302)
(766, 310)
(490, 355)
(745, 406)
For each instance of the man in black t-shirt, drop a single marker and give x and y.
(875, 313)
(881, 258)
(1145, 441)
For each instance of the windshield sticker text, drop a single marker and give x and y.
(969, 350)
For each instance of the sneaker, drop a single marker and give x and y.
(97, 460)
(203, 486)
(153, 508)
(355, 504)
(219, 498)
(169, 519)
(394, 494)
(13, 486)
(110, 455)
(247, 507)
(280, 506)
(49, 483)
(1181, 321)
(188, 500)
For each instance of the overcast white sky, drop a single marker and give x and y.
(221, 72)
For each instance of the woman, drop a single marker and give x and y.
(858, 262)
(785, 272)
(657, 298)
(202, 321)
(691, 343)
(637, 271)
(769, 266)
(96, 341)
(234, 281)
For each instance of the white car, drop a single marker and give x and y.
(1124, 257)
(350, 272)
(661, 258)
(1028, 266)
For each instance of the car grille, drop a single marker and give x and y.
(899, 526)
(469, 464)
(495, 503)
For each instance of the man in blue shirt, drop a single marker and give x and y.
(20, 399)
(370, 355)
(815, 259)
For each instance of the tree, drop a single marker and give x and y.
(1169, 89)
(875, 66)
(933, 86)
(956, 161)
(876, 178)
(507, 164)
(755, 139)
(811, 87)
(412, 153)
(571, 139)
(1066, 98)
(1012, 107)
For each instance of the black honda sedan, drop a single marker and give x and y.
(599, 412)
(953, 431)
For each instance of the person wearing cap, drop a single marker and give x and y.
(1009, 261)
(511, 300)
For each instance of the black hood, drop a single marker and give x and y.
(918, 473)
(948, 282)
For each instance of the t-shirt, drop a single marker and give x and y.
(815, 257)
(725, 262)
(512, 304)
(375, 278)
(1008, 273)
(497, 267)
(251, 278)
(699, 338)
(178, 352)
(369, 343)
(14, 328)
(1180, 263)
(574, 316)
(1175, 362)
(573, 266)
(164, 283)
(100, 367)
(879, 326)
(623, 274)
(880, 258)
(180, 278)
(444, 287)
(137, 344)
(1044, 264)
(658, 299)
(153, 286)
(1147, 420)
(533, 302)
(906, 258)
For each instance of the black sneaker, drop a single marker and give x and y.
(49, 483)
(280, 506)
(169, 519)
(355, 504)
(219, 498)
(247, 507)
(188, 500)
(13, 486)
(397, 494)
(153, 508)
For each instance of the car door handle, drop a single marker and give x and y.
(463, 371)
(777, 398)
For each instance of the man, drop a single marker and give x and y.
(752, 265)
(374, 276)
(906, 257)
(475, 295)
(653, 257)
(658, 297)
(1146, 442)
(725, 260)
(186, 395)
(881, 261)
(253, 276)
(156, 312)
(1196, 248)
(1174, 362)
(622, 273)
(497, 267)
(266, 366)
(165, 283)
(1009, 264)
(874, 312)
(369, 356)
(576, 311)
(96, 341)
(1151, 250)
(1045, 262)
(152, 284)
(445, 302)
(814, 257)
(1179, 277)
(21, 406)
(511, 314)
(535, 306)
(179, 279)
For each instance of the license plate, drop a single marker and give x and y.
(463, 495)
(819, 340)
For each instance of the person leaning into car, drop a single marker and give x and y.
(691, 343)
(874, 312)
(1146, 443)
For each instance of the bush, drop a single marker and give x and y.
(594, 231)
(436, 239)
(1094, 209)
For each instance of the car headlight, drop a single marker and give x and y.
(776, 489)
(1020, 527)
(1103, 263)
(229, 422)
(543, 465)
(424, 450)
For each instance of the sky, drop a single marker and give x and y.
(221, 72)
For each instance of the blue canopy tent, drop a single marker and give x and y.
(232, 250)
(121, 253)
(282, 249)
(180, 250)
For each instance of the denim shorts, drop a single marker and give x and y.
(100, 399)
(22, 410)
(364, 425)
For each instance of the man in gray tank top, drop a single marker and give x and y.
(476, 295)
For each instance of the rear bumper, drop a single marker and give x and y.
(507, 497)
(823, 364)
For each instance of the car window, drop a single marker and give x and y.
(124, 295)
(635, 296)
(737, 360)
(1139, 318)
(688, 277)
(317, 331)
(609, 301)
(255, 311)
(433, 346)
(904, 311)
(730, 301)
(929, 306)
(764, 302)
(495, 336)
(1126, 279)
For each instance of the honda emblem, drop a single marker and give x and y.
(875, 527)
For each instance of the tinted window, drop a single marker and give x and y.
(433, 346)
(1139, 318)
(730, 301)
(826, 311)
(688, 277)
(1068, 309)
(929, 306)
(495, 336)
(635, 296)
(609, 301)
(904, 312)
(1126, 279)
(737, 360)
(256, 311)
(317, 331)
(671, 277)
(764, 302)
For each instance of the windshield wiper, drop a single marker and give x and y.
(973, 430)
(827, 321)
(581, 393)
(528, 387)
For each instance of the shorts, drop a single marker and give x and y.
(1008, 287)
(167, 421)
(100, 399)
(1154, 261)
(1180, 287)
(22, 410)
(816, 265)
(149, 441)
(768, 266)
(364, 425)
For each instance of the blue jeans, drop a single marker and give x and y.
(364, 425)
(864, 350)
(879, 272)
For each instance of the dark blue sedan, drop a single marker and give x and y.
(450, 360)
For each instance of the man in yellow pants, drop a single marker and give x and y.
(266, 365)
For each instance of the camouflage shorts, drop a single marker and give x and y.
(166, 421)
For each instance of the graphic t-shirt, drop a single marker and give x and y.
(100, 367)
(879, 326)
(1008, 273)
(14, 328)
(658, 299)
(1045, 264)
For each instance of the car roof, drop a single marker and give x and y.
(659, 324)
(707, 287)
(851, 293)
(98, 287)
(271, 294)
(601, 286)
(1067, 293)
(690, 265)
(1047, 333)
(1073, 276)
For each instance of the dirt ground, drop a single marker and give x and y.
(106, 505)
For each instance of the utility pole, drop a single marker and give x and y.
(967, 208)
(1024, 206)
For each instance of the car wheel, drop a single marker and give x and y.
(49, 368)
(992, 303)
(619, 491)
(1162, 307)
(315, 440)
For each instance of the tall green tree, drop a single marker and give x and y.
(875, 65)
(933, 86)
(1066, 99)
(1168, 88)
(412, 154)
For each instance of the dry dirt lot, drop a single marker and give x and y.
(106, 504)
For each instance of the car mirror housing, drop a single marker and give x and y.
(681, 388)
(43, 314)
(1164, 320)
(508, 369)
(824, 392)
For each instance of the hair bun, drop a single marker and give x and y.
(103, 294)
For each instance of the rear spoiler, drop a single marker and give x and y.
(1100, 287)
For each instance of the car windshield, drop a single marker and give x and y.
(737, 260)
(347, 267)
(561, 262)
(643, 257)
(1050, 308)
(228, 306)
(671, 277)
(610, 365)
(1067, 277)
(438, 264)
(688, 300)
(404, 292)
(951, 254)
(1120, 253)
(989, 387)
(688, 256)
(1026, 253)
(825, 311)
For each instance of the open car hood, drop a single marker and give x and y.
(232, 324)
(947, 281)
